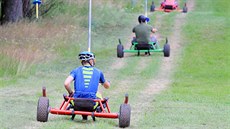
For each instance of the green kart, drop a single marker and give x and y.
(146, 48)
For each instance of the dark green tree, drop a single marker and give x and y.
(14, 10)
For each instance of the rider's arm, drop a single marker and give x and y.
(154, 30)
(67, 82)
(106, 84)
(134, 35)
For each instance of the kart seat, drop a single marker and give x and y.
(82, 104)
(143, 46)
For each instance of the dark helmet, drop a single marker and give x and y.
(85, 56)
(143, 18)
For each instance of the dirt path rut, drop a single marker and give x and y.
(163, 79)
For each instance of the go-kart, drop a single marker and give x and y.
(169, 6)
(146, 48)
(84, 107)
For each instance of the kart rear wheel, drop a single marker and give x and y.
(120, 52)
(166, 50)
(42, 109)
(124, 115)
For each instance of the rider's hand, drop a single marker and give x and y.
(106, 84)
(154, 30)
(108, 81)
(71, 94)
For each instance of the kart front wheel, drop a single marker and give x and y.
(120, 52)
(166, 50)
(124, 115)
(42, 109)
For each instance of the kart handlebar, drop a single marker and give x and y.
(126, 98)
(44, 91)
(119, 41)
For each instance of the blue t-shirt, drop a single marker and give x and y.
(86, 81)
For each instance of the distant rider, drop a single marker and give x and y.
(143, 31)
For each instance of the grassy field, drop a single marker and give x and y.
(42, 53)
(197, 98)
(199, 95)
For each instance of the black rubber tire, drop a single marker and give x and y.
(124, 115)
(42, 109)
(120, 52)
(166, 50)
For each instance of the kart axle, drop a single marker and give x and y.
(135, 51)
(69, 112)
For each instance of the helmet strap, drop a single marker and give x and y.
(90, 63)
(82, 63)
(94, 62)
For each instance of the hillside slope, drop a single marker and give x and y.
(45, 52)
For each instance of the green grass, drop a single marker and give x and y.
(199, 95)
(60, 34)
(61, 37)
(54, 42)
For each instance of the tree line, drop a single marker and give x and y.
(16, 10)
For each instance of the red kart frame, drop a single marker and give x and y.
(106, 113)
(169, 6)
(43, 109)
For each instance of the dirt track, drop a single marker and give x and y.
(163, 79)
(154, 86)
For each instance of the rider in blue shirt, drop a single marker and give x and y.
(86, 78)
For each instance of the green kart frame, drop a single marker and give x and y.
(146, 48)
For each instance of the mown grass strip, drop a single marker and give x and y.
(199, 96)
